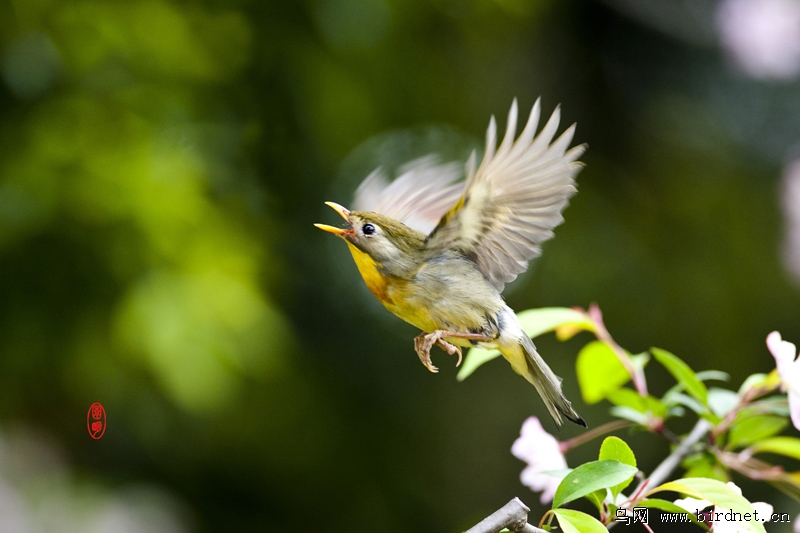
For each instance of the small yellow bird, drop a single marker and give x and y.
(438, 254)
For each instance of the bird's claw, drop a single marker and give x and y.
(424, 342)
(451, 349)
(423, 348)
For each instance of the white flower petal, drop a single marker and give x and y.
(764, 511)
(788, 369)
(542, 452)
(794, 407)
(784, 352)
(692, 505)
(725, 521)
(722, 524)
(536, 446)
(735, 487)
(537, 481)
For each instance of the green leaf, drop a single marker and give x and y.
(722, 401)
(664, 505)
(617, 449)
(754, 429)
(753, 380)
(597, 497)
(675, 410)
(716, 375)
(705, 464)
(590, 477)
(577, 522)
(475, 357)
(788, 446)
(643, 404)
(655, 406)
(640, 360)
(678, 398)
(718, 493)
(599, 371)
(773, 405)
(534, 322)
(628, 398)
(682, 374)
(628, 413)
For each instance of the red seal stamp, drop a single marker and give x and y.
(96, 420)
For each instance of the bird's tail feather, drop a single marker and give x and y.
(548, 385)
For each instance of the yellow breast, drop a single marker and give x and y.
(394, 293)
(369, 270)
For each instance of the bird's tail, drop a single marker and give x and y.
(527, 362)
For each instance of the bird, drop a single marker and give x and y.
(437, 252)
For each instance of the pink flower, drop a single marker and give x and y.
(762, 36)
(789, 371)
(543, 454)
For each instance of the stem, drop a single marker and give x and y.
(749, 396)
(663, 470)
(513, 515)
(752, 467)
(586, 436)
(637, 376)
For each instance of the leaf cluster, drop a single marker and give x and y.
(738, 425)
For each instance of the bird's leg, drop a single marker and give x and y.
(424, 355)
(425, 341)
(450, 348)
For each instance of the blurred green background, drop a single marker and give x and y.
(162, 163)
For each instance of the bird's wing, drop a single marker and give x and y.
(418, 197)
(514, 200)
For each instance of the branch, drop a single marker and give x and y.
(750, 395)
(588, 435)
(752, 467)
(513, 515)
(663, 470)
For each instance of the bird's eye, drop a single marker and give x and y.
(368, 229)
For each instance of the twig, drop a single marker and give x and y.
(513, 515)
(637, 376)
(663, 470)
(586, 436)
(749, 396)
(752, 467)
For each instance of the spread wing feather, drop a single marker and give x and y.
(418, 197)
(511, 204)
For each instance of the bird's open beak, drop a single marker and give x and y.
(345, 214)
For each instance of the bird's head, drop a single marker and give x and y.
(382, 238)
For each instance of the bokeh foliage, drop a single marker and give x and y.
(161, 163)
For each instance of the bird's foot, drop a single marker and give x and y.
(423, 345)
(451, 349)
(425, 341)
